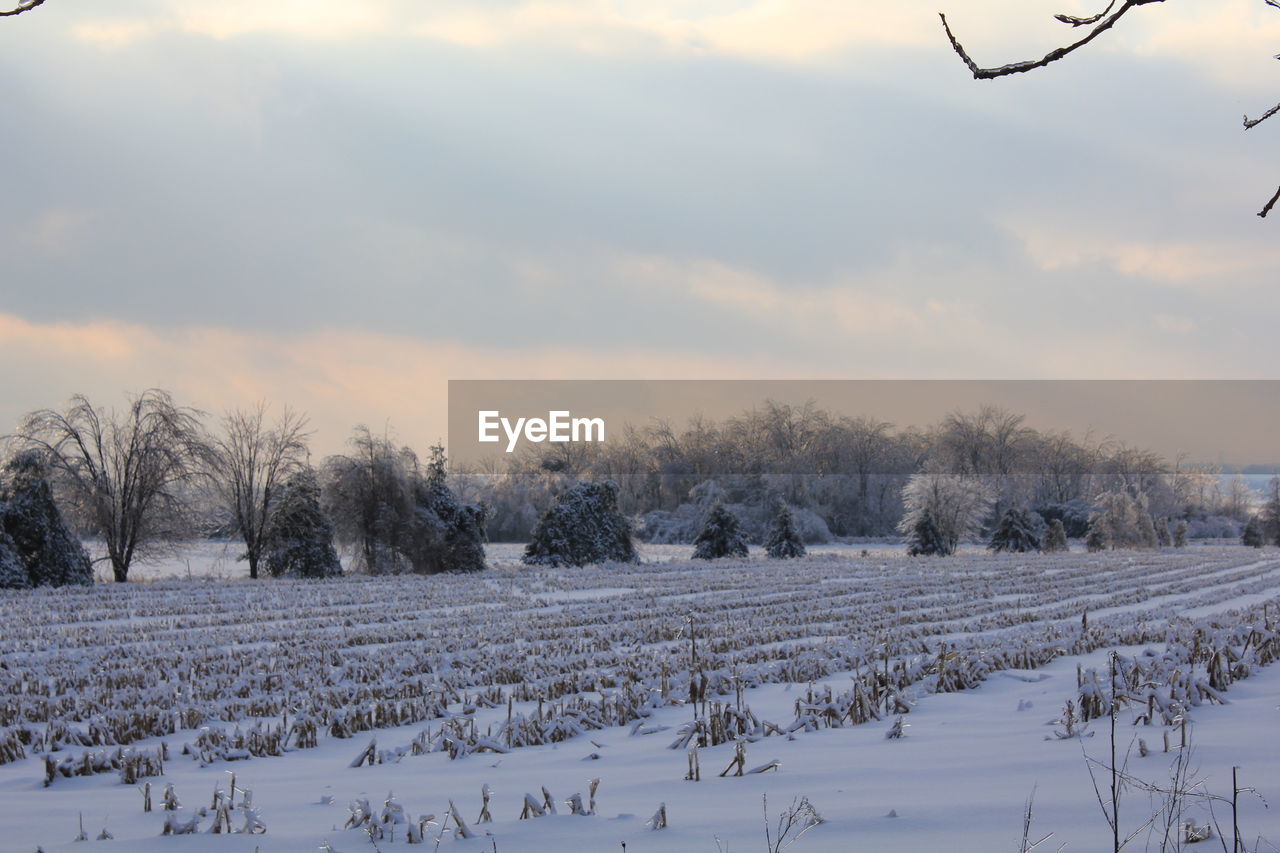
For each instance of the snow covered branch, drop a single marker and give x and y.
(1101, 23)
(24, 6)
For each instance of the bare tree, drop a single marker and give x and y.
(122, 473)
(251, 463)
(1097, 25)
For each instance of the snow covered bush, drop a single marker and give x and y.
(1121, 521)
(1017, 532)
(583, 526)
(955, 504)
(784, 540)
(721, 536)
(1055, 539)
(50, 553)
(299, 538)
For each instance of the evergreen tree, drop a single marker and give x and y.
(1253, 533)
(299, 538)
(924, 538)
(784, 541)
(51, 554)
(13, 574)
(1016, 532)
(583, 526)
(721, 536)
(955, 505)
(1056, 539)
(1163, 537)
(456, 530)
(1180, 534)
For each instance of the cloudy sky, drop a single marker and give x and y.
(341, 205)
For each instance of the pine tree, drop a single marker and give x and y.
(583, 526)
(50, 552)
(1180, 534)
(13, 574)
(925, 539)
(1056, 539)
(721, 536)
(1253, 533)
(299, 538)
(454, 531)
(1016, 533)
(784, 541)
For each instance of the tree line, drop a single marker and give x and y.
(156, 472)
(152, 473)
(845, 476)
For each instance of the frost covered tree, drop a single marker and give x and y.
(298, 539)
(368, 494)
(123, 473)
(51, 554)
(956, 505)
(251, 461)
(1164, 538)
(400, 519)
(13, 574)
(784, 540)
(721, 536)
(583, 526)
(1017, 532)
(1055, 540)
(1253, 533)
(1096, 539)
(450, 534)
(1180, 534)
(1121, 521)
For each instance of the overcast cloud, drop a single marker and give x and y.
(340, 206)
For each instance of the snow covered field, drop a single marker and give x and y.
(526, 680)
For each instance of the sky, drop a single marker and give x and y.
(340, 206)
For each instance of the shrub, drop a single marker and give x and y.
(784, 540)
(721, 536)
(50, 553)
(583, 526)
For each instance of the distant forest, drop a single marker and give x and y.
(845, 475)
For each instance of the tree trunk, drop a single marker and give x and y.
(119, 569)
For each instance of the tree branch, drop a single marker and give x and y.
(1267, 207)
(1102, 25)
(24, 6)
(1251, 122)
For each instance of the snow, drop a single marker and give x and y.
(957, 780)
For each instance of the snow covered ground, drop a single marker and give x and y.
(449, 675)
